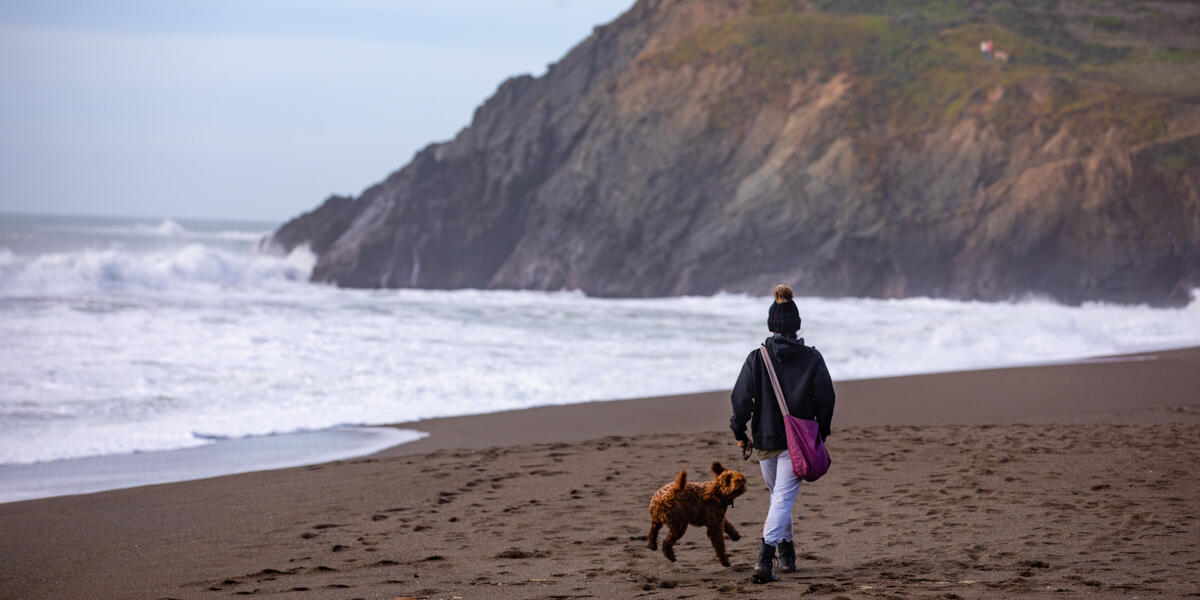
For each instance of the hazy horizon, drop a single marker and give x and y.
(254, 110)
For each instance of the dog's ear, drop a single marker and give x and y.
(717, 468)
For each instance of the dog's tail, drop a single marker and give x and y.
(681, 480)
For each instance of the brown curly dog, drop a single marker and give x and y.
(679, 504)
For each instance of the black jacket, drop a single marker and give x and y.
(805, 383)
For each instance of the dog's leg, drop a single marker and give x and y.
(716, 535)
(676, 532)
(731, 532)
(653, 537)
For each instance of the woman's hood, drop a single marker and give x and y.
(784, 348)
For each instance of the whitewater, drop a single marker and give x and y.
(131, 336)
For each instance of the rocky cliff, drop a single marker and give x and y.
(858, 148)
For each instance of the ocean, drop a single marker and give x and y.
(155, 339)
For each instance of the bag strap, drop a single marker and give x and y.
(766, 356)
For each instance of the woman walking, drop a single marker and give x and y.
(808, 389)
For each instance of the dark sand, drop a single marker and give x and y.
(1076, 481)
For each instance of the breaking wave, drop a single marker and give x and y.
(167, 227)
(118, 270)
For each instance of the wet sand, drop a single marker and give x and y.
(1075, 480)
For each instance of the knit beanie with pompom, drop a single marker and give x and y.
(783, 316)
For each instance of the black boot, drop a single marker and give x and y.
(787, 557)
(764, 570)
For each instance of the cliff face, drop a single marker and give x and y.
(693, 146)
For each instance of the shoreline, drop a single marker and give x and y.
(997, 483)
(1035, 394)
(93, 474)
(685, 413)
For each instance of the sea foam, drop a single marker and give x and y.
(136, 343)
(115, 373)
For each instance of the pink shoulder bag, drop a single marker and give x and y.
(810, 459)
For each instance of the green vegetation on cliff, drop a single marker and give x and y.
(917, 65)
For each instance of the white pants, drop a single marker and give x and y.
(784, 486)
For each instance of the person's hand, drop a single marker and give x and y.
(746, 447)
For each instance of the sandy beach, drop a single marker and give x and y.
(1071, 480)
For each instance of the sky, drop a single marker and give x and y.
(249, 109)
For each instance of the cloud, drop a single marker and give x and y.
(130, 104)
(100, 88)
(190, 62)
